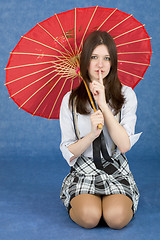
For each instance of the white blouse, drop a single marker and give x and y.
(128, 121)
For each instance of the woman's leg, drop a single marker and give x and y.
(86, 210)
(117, 210)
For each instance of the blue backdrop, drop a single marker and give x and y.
(20, 133)
(25, 138)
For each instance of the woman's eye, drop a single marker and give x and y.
(107, 58)
(93, 57)
(96, 57)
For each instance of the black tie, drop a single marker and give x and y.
(100, 146)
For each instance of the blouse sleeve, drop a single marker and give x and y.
(67, 130)
(128, 115)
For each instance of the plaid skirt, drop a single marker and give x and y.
(115, 178)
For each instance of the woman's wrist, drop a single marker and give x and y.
(104, 107)
(92, 136)
(81, 145)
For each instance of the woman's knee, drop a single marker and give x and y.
(88, 217)
(117, 217)
(86, 210)
(117, 210)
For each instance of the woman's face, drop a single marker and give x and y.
(100, 61)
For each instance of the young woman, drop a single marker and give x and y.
(106, 189)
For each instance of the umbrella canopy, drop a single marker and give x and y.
(44, 64)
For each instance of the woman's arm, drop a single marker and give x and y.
(116, 131)
(70, 147)
(81, 145)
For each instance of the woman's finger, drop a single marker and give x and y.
(97, 117)
(97, 87)
(100, 77)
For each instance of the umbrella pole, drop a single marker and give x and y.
(89, 95)
(100, 126)
(85, 84)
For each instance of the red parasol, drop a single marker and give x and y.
(44, 64)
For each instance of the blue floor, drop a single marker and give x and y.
(30, 208)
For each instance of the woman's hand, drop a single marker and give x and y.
(96, 119)
(98, 90)
(82, 144)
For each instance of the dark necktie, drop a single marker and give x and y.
(99, 147)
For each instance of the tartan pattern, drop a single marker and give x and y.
(84, 177)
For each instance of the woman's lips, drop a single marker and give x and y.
(100, 71)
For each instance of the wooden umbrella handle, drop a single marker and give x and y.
(100, 126)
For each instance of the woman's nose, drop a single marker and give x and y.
(100, 63)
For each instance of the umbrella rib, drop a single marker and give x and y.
(31, 84)
(120, 23)
(30, 74)
(28, 65)
(34, 64)
(38, 81)
(30, 39)
(64, 64)
(38, 54)
(60, 58)
(136, 41)
(87, 27)
(64, 33)
(132, 52)
(107, 18)
(47, 95)
(145, 64)
(130, 73)
(38, 91)
(54, 38)
(75, 26)
(58, 97)
(128, 31)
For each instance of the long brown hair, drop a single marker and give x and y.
(111, 82)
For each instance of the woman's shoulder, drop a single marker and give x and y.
(65, 102)
(130, 97)
(128, 92)
(66, 97)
